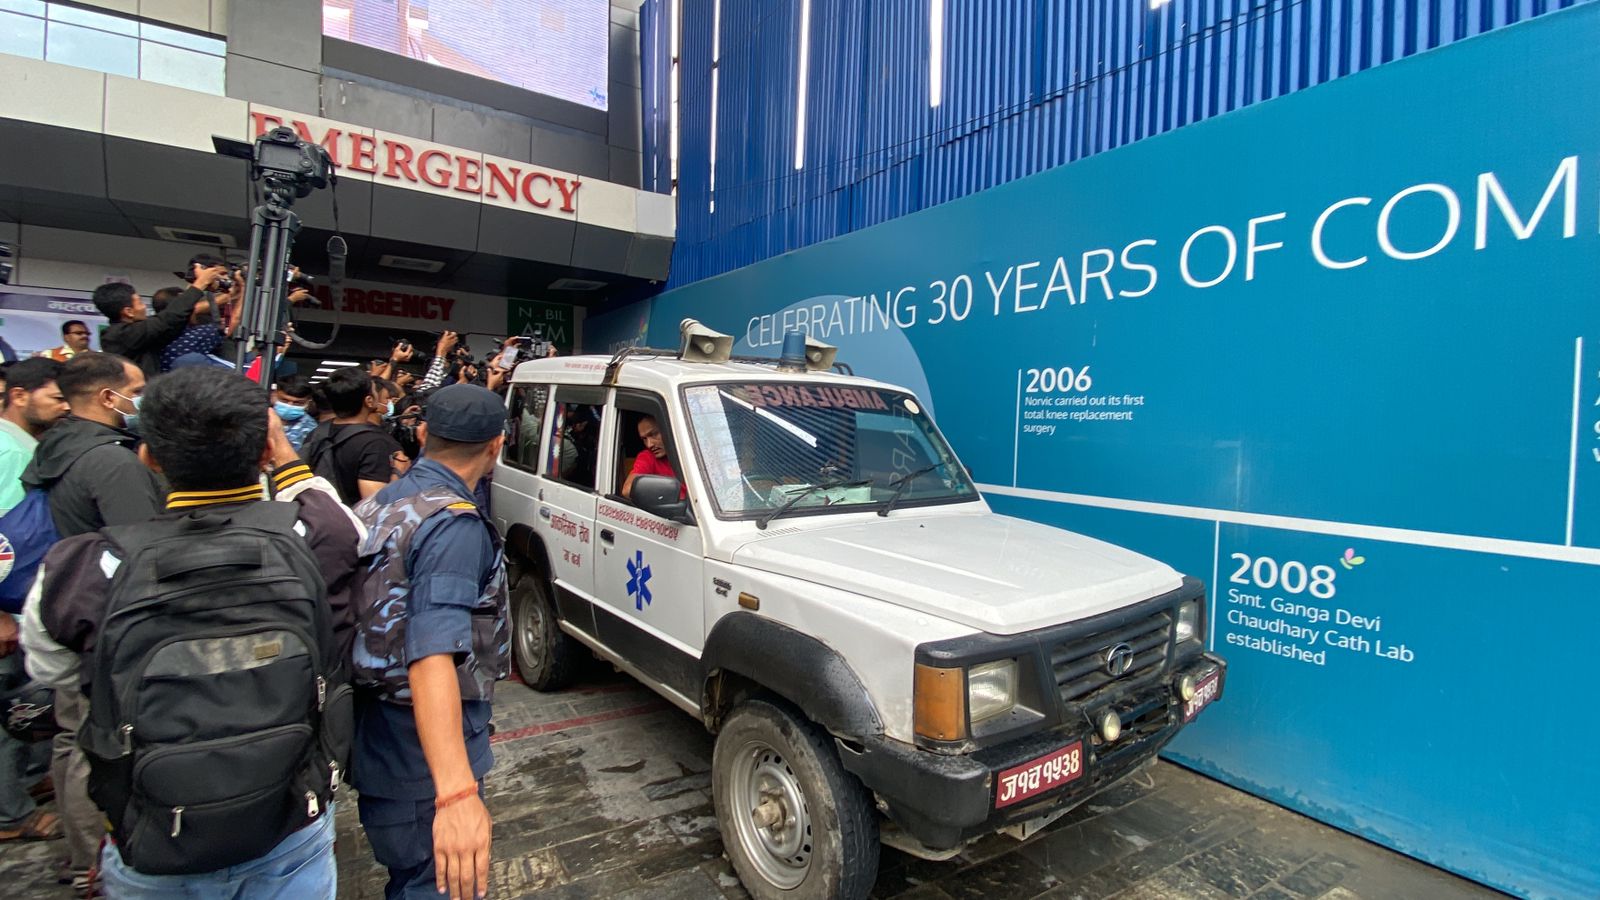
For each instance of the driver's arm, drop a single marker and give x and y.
(627, 485)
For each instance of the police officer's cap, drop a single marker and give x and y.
(466, 413)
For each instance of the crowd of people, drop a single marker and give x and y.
(242, 597)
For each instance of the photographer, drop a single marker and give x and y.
(515, 351)
(137, 336)
(203, 335)
(300, 288)
(404, 352)
(403, 428)
(444, 353)
(496, 378)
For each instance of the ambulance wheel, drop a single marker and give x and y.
(795, 824)
(546, 657)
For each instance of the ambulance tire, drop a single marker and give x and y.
(547, 658)
(795, 824)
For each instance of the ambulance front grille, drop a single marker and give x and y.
(1081, 664)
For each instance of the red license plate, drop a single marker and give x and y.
(1034, 777)
(1204, 692)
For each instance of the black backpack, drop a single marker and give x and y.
(320, 452)
(220, 715)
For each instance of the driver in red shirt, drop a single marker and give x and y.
(652, 460)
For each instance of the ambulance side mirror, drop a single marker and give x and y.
(659, 495)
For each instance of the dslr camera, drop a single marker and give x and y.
(403, 427)
(289, 165)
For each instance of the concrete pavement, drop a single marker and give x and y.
(604, 791)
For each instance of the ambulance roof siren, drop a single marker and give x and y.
(701, 344)
(804, 353)
(819, 356)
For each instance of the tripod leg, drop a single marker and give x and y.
(241, 331)
(272, 236)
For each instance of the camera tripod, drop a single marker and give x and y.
(273, 226)
(288, 168)
(265, 313)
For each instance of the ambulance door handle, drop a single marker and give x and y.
(607, 536)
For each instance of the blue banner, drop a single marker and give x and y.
(609, 332)
(1337, 354)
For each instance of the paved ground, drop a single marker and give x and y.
(603, 791)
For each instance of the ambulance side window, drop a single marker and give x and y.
(572, 440)
(632, 409)
(524, 425)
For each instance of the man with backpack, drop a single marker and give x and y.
(85, 476)
(431, 640)
(352, 452)
(33, 403)
(210, 644)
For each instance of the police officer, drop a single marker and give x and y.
(431, 640)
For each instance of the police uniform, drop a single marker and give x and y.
(435, 585)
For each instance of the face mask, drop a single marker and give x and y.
(289, 412)
(388, 411)
(131, 420)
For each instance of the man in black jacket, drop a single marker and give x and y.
(137, 335)
(87, 461)
(88, 465)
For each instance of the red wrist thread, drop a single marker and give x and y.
(442, 802)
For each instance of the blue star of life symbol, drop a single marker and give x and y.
(638, 580)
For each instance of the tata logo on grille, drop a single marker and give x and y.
(1119, 659)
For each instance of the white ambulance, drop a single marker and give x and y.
(795, 556)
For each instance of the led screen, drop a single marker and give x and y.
(553, 47)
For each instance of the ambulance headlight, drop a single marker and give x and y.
(991, 689)
(1188, 620)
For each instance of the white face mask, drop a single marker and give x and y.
(130, 421)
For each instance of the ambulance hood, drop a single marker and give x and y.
(990, 572)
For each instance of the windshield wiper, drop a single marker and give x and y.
(820, 486)
(903, 482)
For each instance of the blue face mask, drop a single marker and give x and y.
(288, 411)
(130, 421)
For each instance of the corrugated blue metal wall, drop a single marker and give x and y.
(1028, 84)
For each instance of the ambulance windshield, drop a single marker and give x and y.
(819, 447)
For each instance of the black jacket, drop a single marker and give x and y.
(142, 342)
(93, 476)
